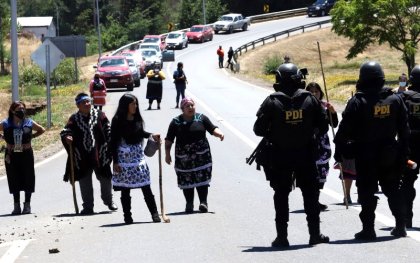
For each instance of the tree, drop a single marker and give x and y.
(4, 30)
(395, 22)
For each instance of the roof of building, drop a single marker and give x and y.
(35, 21)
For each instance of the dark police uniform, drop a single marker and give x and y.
(412, 101)
(372, 120)
(288, 120)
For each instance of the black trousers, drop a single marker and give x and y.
(408, 190)
(281, 180)
(369, 173)
(202, 192)
(148, 197)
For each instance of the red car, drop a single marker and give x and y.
(158, 39)
(200, 33)
(115, 71)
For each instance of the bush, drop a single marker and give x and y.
(65, 73)
(31, 75)
(271, 64)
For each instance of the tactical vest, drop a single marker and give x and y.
(412, 101)
(292, 119)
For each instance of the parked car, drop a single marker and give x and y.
(138, 59)
(231, 22)
(176, 40)
(135, 71)
(150, 57)
(320, 8)
(157, 39)
(200, 33)
(115, 71)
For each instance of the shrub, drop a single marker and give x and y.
(271, 64)
(31, 75)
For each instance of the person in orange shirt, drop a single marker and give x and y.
(97, 91)
(221, 55)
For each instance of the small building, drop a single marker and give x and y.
(38, 25)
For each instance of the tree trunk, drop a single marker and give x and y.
(2, 69)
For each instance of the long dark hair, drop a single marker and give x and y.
(12, 108)
(315, 85)
(122, 110)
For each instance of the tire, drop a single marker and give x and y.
(130, 87)
(216, 32)
(230, 30)
(245, 27)
(137, 83)
(186, 44)
(323, 13)
(202, 40)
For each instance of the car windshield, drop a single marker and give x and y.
(112, 62)
(130, 60)
(320, 2)
(151, 40)
(148, 53)
(150, 46)
(196, 29)
(173, 35)
(226, 18)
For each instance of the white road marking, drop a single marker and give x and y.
(16, 248)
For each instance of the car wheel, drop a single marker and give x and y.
(211, 38)
(137, 83)
(323, 13)
(202, 40)
(230, 30)
(216, 32)
(245, 27)
(130, 87)
(186, 44)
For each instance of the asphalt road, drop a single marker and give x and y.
(240, 224)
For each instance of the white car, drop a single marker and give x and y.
(150, 56)
(135, 71)
(176, 40)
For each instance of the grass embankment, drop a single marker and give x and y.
(340, 74)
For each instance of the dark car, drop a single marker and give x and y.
(200, 33)
(115, 71)
(320, 8)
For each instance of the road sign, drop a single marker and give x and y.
(40, 58)
(266, 8)
(170, 26)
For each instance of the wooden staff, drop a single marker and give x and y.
(76, 207)
(332, 127)
(162, 210)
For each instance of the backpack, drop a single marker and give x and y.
(98, 85)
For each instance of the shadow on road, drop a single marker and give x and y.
(274, 249)
(354, 241)
(124, 224)
(183, 213)
(74, 214)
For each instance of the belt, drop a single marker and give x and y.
(13, 148)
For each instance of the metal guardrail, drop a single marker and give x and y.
(254, 19)
(274, 36)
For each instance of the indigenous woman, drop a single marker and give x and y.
(322, 140)
(193, 162)
(155, 77)
(130, 168)
(19, 156)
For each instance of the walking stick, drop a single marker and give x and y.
(162, 210)
(332, 127)
(76, 207)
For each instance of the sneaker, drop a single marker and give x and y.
(323, 207)
(128, 219)
(203, 208)
(149, 108)
(156, 218)
(189, 208)
(280, 242)
(158, 107)
(112, 206)
(314, 240)
(366, 235)
(26, 208)
(399, 232)
(176, 107)
(87, 211)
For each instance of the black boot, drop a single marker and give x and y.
(281, 239)
(151, 205)
(315, 235)
(367, 234)
(126, 206)
(399, 230)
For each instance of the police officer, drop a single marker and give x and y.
(288, 119)
(412, 101)
(373, 118)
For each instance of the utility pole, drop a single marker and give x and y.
(13, 37)
(99, 29)
(204, 12)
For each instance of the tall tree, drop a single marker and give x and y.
(4, 30)
(394, 22)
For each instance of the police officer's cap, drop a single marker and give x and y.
(371, 71)
(288, 72)
(415, 75)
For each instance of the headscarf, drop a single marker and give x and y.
(185, 101)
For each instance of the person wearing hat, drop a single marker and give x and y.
(97, 89)
(376, 121)
(130, 167)
(19, 156)
(193, 161)
(88, 132)
(155, 77)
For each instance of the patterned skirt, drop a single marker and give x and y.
(324, 155)
(135, 172)
(193, 164)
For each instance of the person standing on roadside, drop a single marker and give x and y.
(155, 77)
(230, 56)
(288, 120)
(180, 81)
(97, 89)
(221, 56)
(130, 167)
(373, 118)
(19, 156)
(412, 101)
(88, 131)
